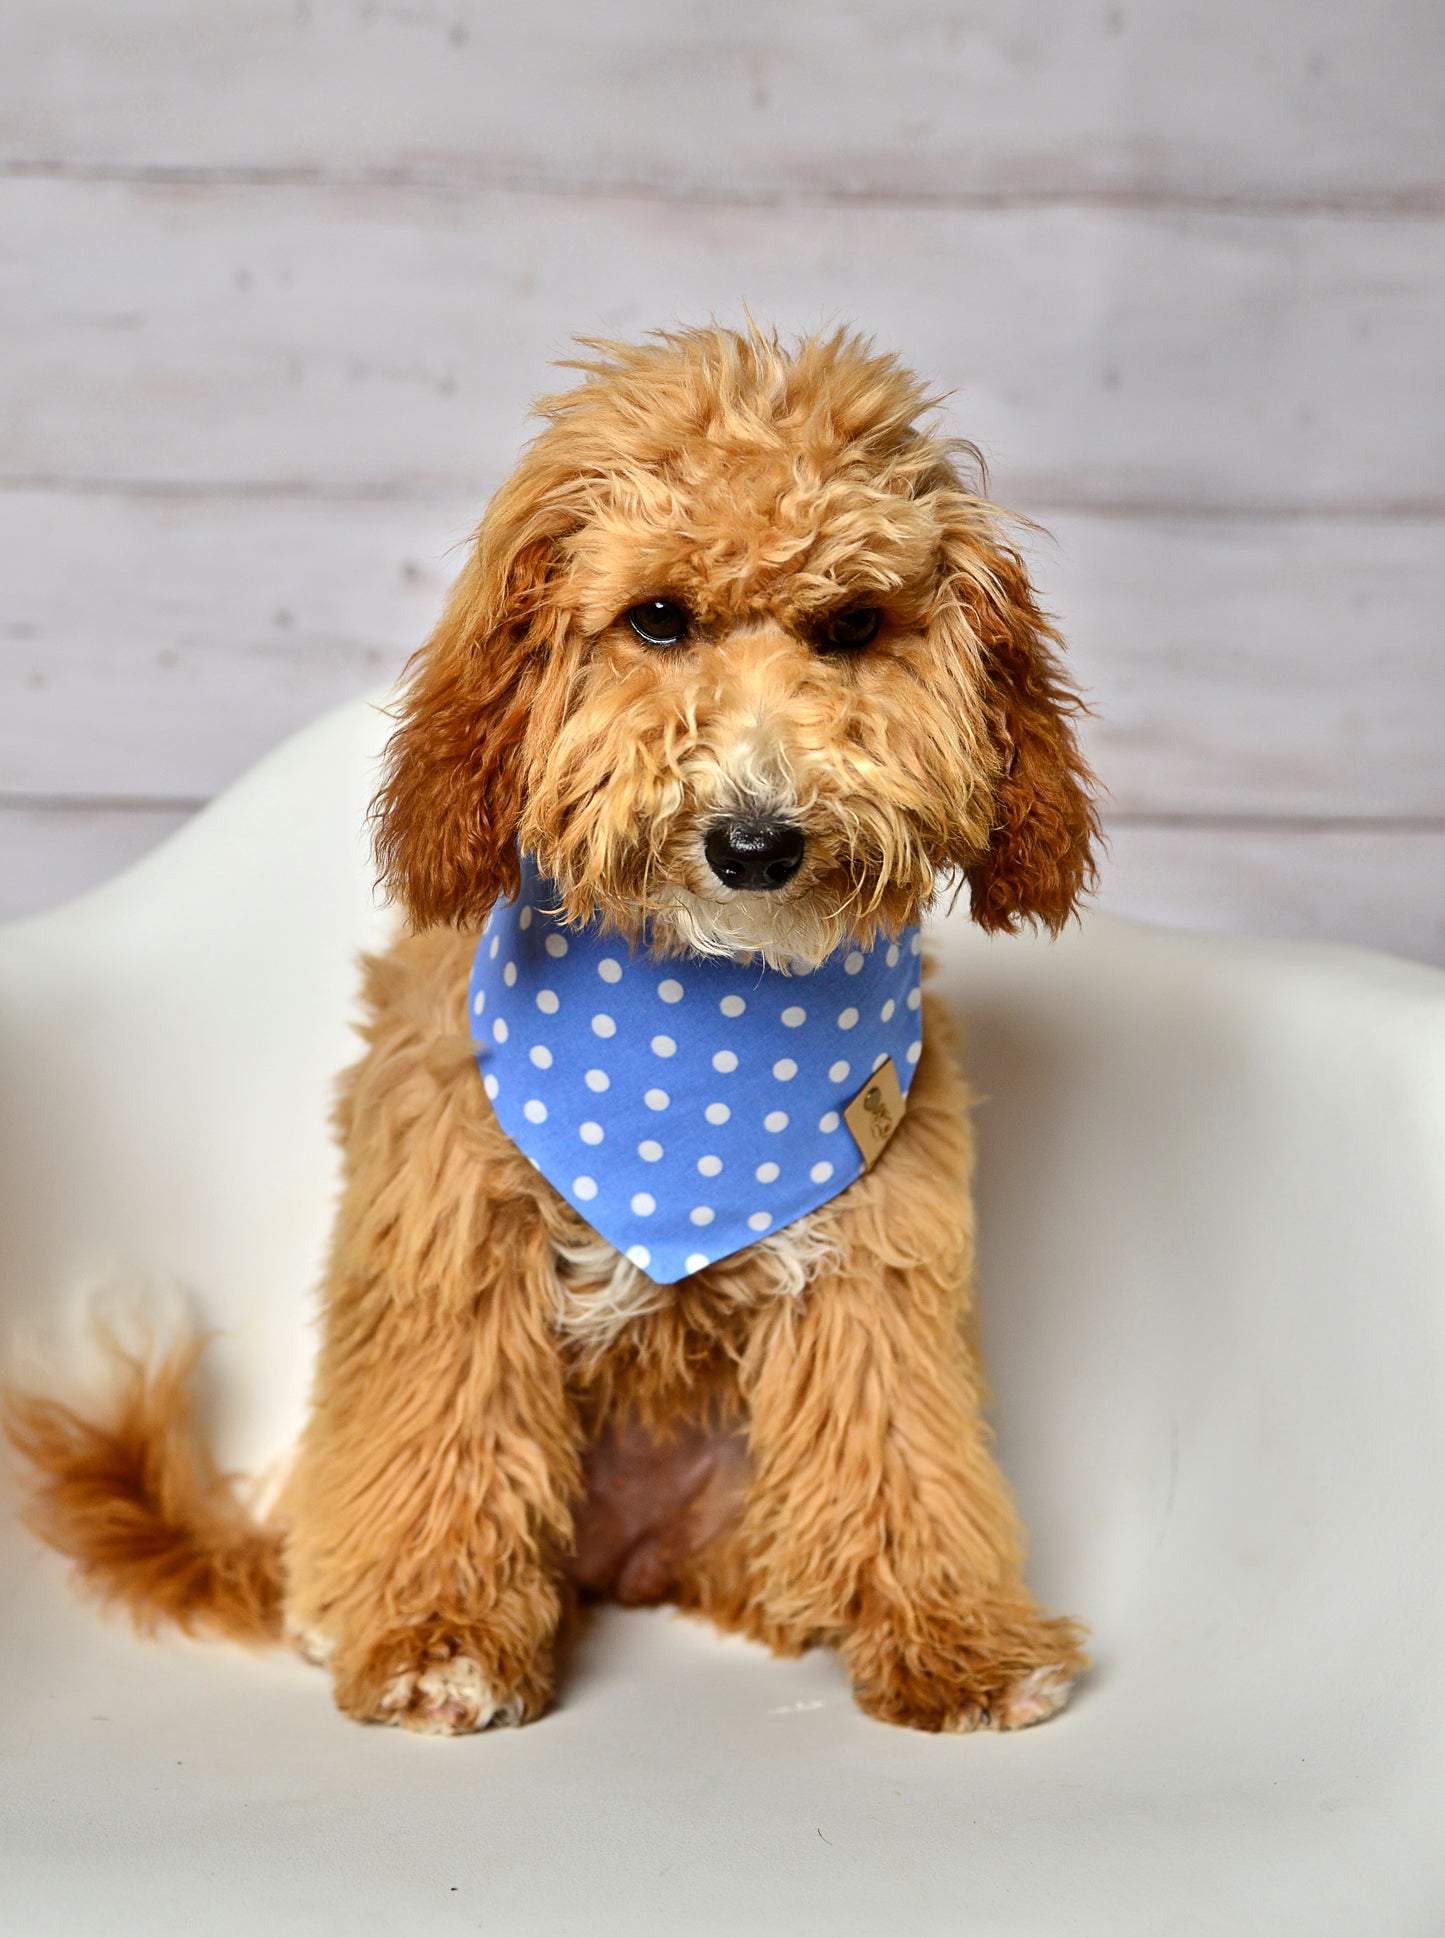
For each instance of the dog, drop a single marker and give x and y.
(741, 674)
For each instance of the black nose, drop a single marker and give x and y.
(754, 854)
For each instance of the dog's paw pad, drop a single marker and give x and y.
(1035, 1697)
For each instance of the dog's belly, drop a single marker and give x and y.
(651, 1503)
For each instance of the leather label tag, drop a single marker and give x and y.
(875, 1113)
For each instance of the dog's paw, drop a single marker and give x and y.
(435, 1681)
(1032, 1699)
(984, 1669)
(447, 1698)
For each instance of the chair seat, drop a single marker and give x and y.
(1212, 1200)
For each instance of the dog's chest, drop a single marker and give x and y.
(601, 1292)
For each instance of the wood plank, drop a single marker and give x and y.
(156, 646)
(1247, 667)
(1220, 99)
(159, 646)
(50, 854)
(1381, 887)
(389, 339)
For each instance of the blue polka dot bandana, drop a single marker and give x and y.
(684, 1107)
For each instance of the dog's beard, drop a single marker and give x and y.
(788, 931)
(678, 907)
(673, 900)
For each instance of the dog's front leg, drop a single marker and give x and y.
(430, 1504)
(877, 1519)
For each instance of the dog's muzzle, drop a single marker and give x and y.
(754, 854)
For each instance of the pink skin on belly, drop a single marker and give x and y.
(650, 1504)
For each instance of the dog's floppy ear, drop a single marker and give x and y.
(446, 815)
(1039, 860)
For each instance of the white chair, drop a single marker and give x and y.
(1213, 1213)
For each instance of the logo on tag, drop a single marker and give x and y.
(875, 1113)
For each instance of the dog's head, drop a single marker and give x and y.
(739, 657)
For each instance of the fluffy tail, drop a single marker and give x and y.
(139, 1506)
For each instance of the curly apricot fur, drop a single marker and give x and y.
(505, 1414)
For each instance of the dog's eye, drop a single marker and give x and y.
(850, 631)
(659, 622)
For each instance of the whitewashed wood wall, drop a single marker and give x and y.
(278, 278)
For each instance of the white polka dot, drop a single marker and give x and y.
(785, 1069)
(776, 1120)
(702, 1214)
(547, 1001)
(915, 947)
(649, 1150)
(717, 1113)
(535, 1111)
(915, 997)
(915, 1051)
(848, 1018)
(892, 957)
(732, 1005)
(491, 1086)
(597, 1080)
(670, 990)
(499, 1029)
(663, 1046)
(541, 1056)
(821, 1173)
(524, 920)
(886, 1013)
(640, 1256)
(556, 945)
(695, 1261)
(725, 1061)
(838, 1071)
(709, 1166)
(495, 944)
(603, 1025)
(760, 1220)
(509, 974)
(766, 1173)
(479, 1002)
(880, 1059)
(590, 1133)
(643, 1203)
(609, 969)
(584, 1187)
(656, 1099)
(829, 1121)
(853, 962)
(794, 1017)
